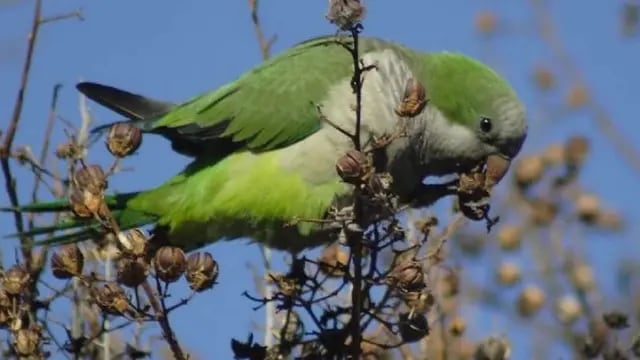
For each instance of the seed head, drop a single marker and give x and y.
(581, 276)
(543, 212)
(577, 96)
(352, 166)
(529, 170)
(576, 152)
(85, 204)
(413, 327)
(407, 276)
(531, 300)
(169, 263)
(486, 22)
(509, 237)
(112, 299)
(587, 207)
(132, 272)
(419, 301)
(290, 328)
(345, 14)
(133, 242)
(202, 271)
(333, 261)
(67, 262)
(509, 273)
(123, 139)
(16, 280)
(414, 99)
(26, 342)
(568, 309)
(544, 78)
(554, 155)
(494, 348)
(90, 178)
(457, 326)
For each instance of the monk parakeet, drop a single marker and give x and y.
(263, 155)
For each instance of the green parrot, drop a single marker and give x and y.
(263, 155)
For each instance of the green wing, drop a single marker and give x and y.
(269, 107)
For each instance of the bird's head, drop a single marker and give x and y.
(484, 114)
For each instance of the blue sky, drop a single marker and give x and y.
(174, 50)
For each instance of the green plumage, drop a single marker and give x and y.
(237, 186)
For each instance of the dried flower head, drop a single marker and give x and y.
(581, 276)
(85, 204)
(587, 207)
(509, 237)
(486, 22)
(407, 276)
(544, 78)
(529, 170)
(16, 280)
(123, 139)
(26, 342)
(419, 301)
(494, 348)
(577, 96)
(112, 299)
(290, 327)
(202, 271)
(413, 327)
(568, 309)
(457, 326)
(169, 263)
(543, 211)
(577, 149)
(345, 14)
(414, 99)
(90, 178)
(554, 155)
(530, 300)
(67, 262)
(133, 242)
(353, 166)
(509, 273)
(132, 272)
(334, 260)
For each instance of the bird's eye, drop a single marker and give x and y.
(485, 124)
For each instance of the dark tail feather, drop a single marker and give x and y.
(136, 108)
(73, 229)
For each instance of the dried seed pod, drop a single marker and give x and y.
(529, 170)
(576, 152)
(287, 285)
(581, 276)
(91, 178)
(407, 276)
(85, 204)
(531, 300)
(112, 299)
(509, 237)
(509, 273)
(132, 272)
(353, 166)
(6, 306)
(543, 212)
(202, 271)
(587, 207)
(67, 262)
(486, 22)
(494, 348)
(568, 309)
(577, 96)
(414, 99)
(419, 301)
(449, 284)
(333, 261)
(345, 14)
(554, 155)
(26, 342)
(457, 326)
(544, 78)
(123, 139)
(133, 242)
(290, 328)
(496, 168)
(413, 327)
(16, 280)
(616, 320)
(169, 263)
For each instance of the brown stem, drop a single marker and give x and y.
(163, 320)
(265, 45)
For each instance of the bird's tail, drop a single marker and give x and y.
(72, 229)
(137, 109)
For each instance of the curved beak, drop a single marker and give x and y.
(496, 168)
